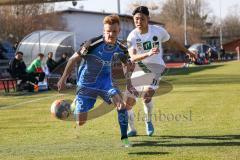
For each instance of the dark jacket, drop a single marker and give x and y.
(17, 68)
(51, 64)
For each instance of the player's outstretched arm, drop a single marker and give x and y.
(68, 69)
(173, 43)
(138, 57)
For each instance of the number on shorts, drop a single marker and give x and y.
(155, 82)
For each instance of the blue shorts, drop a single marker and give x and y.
(86, 97)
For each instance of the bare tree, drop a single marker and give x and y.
(153, 7)
(176, 32)
(170, 12)
(197, 12)
(19, 20)
(231, 24)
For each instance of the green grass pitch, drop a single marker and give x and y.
(198, 119)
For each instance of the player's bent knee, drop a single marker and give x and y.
(130, 102)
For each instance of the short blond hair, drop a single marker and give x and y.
(111, 19)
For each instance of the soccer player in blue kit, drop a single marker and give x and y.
(95, 74)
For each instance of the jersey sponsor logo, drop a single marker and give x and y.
(147, 45)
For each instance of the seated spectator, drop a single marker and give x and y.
(63, 59)
(17, 69)
(17, 66)
(51, 64)
(35, 68)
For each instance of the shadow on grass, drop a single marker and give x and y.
(149, 143)
(148, 153)
(225, 140)
(205, 79)
(224, 137)
(186, 71)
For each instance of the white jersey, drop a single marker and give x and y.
(147, 72)
(145, 42)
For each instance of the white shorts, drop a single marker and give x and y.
(142, 82)
(145, 76)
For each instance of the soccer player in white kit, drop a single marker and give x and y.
(145, 50)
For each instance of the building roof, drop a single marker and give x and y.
(73, 10)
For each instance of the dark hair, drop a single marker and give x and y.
(40, 55)
(19, 52)
(141, 9)
(50, 53)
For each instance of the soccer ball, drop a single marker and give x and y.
(60, 109)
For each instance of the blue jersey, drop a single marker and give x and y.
(95, 73)
(96, 69)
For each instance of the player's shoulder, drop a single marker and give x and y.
(122, 45)
(90, 44)
(134, 31)
(95, 41)
(132, 34)
(159, 30)
(156, 27)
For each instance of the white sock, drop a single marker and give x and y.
(131, 120)
(148, 111)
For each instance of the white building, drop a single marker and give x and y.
(88, 24)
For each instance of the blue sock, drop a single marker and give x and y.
(123, 122)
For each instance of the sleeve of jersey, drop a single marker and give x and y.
(164, 35)
(131, 41)
(84, 47)
(123, 56)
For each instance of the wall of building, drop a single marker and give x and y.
(87, 25)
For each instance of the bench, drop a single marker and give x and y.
(9, 83)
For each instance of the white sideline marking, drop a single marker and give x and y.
(11, 106)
